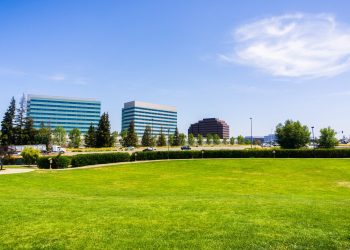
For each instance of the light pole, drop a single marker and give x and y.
(168, 142)
(313, 137)
(251, 132)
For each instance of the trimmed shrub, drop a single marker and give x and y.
(12, 160)
(102, 158)
(57, 162)
(247, 153)
(43, 162)
(62, 161)
(158, 155)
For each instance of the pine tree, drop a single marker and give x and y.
(29, 132)
(176, 141)
(131, 138)
(90, 137)
(7, 128)
(103, 133)
(20, 121)
(161, 139)
(147, 137)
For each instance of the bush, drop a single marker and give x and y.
(247, 153)
(158, 155)
(30, 155)
(57, 162)
(93, 159)
(10, 160)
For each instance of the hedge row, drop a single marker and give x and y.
(102, 158)
(9, 160)
(262, 153)
(57, 162)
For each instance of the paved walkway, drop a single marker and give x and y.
(16, 170)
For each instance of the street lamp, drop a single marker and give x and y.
(251, 132)
(313, 137)
(168, 141)
(202, 153)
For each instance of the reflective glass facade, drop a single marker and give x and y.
(154, 115)
(68, 113)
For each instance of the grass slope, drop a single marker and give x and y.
(210, 204)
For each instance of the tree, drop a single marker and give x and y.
(328, 138)
(43, 136)
(292, 135)
(20, 119)
(90, 137)
(161, 139)
(200, 140)
(232, 141)
(114, 138)
(171, 140)
(182, 139)
(240, 140)
(29, 131)
(176, 141)
(7, 128)
(123, 136)
(191, 139)
(103, 133)
(74, 138)
(209, 139)
(59, 136)
(131, 137)
(224, 141)
(216, 139)
(30, 155)
(147, 137)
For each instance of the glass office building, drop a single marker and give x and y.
(68, 113)
(156, 116)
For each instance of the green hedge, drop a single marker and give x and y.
(102, 158)
(10, 160)
(247, 153)
(57, 162)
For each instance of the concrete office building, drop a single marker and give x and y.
(156, 116)
(65, 112)
(210, 126)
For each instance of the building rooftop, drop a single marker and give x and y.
(149, 105)
(31, 96)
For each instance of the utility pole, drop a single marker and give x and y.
(251, 132)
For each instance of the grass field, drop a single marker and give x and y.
(210, 204)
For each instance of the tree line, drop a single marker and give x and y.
(18, 129)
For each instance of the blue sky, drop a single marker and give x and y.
(270, 60)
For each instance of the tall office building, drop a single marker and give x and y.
(156, 116)
(68, 113)
(210, 126)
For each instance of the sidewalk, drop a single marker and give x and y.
(15, 170)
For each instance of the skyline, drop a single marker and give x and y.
(200, 57)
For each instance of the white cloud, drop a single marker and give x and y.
(56, 77)
(294, 45)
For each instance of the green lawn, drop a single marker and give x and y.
(210, 204)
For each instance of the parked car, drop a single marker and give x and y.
(130, 148)
(186, 148)
(149, 149)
